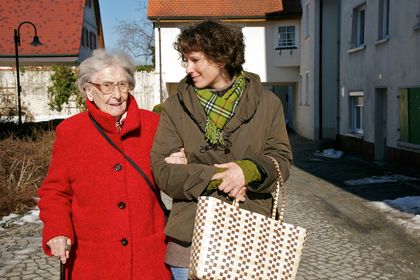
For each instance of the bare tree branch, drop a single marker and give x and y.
(136, 37)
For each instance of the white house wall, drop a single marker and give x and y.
(305, 118)
(307, 106)
(34, 95)
(282, 66)
(392, 64)
(260, 54)
(255, 56)
(172, 69)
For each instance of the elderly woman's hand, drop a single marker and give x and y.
(60, 247)
(177, 157)
(233, 180)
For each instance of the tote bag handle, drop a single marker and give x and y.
(279, 190)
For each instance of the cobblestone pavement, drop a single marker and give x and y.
(21, 256)
(348, 238)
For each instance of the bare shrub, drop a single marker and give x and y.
(23, 166)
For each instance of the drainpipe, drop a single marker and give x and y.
(160, 63)
(321, 6)
(338, 64)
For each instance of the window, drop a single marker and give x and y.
(300, 89)
(92, 39)
(417, 26)
(358, 27)
(89, 3)
(356, 101)
(307, 20)
(85, 37)
(287, 37)
(409, 115)
(307, 88)
(383, 19)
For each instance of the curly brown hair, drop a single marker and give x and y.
(220, 43)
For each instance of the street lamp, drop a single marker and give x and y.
(35, 42)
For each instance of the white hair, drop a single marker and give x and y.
(102, 59)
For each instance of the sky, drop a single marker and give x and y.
(113, 11)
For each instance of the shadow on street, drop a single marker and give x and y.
(349, 167)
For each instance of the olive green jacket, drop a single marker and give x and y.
(257, 129)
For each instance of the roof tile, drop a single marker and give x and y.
(214, 8)
(59, 26)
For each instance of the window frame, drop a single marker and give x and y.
(92, 40)
(85, 37)
(300, 86)
(286, 46)
(307, 83)
(383, 19)
(307, 10)
(417, 26)
(356, 112)
(358, 35)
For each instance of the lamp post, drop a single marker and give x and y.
(35, 42)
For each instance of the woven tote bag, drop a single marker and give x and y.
(233, 243)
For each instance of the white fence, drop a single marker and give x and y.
(34, 95)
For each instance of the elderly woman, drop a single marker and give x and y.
(222, 124)
(99, 213)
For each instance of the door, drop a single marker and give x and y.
(285, 93)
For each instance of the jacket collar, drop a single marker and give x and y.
(107, 122)
(244, 112)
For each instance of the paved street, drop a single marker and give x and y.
(348, 237)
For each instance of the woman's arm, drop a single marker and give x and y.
(56, 195)
(179, 181)
(277, 145)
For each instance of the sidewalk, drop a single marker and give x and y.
(349, 238)
(21, 256)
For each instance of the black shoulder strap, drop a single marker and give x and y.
(155, 191)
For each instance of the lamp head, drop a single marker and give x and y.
(35, 41)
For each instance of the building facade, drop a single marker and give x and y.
(379, 97)
(359, 80)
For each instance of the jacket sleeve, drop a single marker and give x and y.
(277, 146)
(56, 195)
(179, 181)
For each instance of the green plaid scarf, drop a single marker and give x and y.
(220, 109)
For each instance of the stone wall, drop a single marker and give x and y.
(34, 95)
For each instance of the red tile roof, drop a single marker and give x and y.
(172, 9)
(59, 26)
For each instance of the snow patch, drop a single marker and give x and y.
(379, 180)
(31, 216)
(330, 153)
(404, 211)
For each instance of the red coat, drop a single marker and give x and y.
(96, 198)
